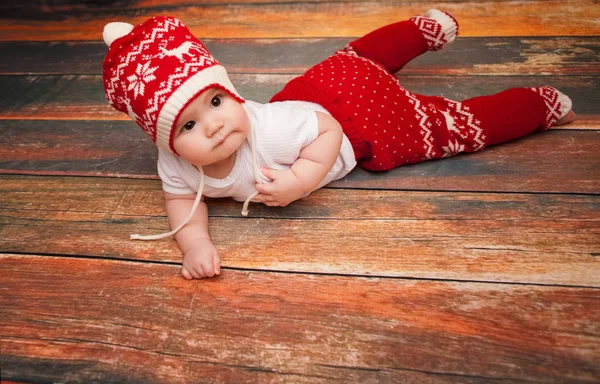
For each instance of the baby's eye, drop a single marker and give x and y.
(188, 126)
(216, 101)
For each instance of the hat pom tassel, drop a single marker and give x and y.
(112, 31)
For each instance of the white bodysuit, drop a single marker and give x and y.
(280, 131)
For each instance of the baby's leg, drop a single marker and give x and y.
(414, 128)
(396, 44)
(487, 120)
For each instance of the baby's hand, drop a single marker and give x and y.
(284, 189)
(201, 261)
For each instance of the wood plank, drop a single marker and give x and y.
(561, 161)
(117, 196)
(326, 18)
(481, 56)
(29, 8)
(138, 322)
(81, 97)
(536, 163)
(77, 147)
(476, 237)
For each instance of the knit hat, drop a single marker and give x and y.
(153, 70)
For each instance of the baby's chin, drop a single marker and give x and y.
(228, 148)
(233, 142)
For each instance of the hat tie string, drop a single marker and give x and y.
(174, 231)
(257, 178)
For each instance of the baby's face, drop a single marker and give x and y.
(211, 128)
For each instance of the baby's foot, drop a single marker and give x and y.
(558, 106)
(569, 117)
(439, 28)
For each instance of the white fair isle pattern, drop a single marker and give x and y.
(125, 61)
(133, 54)
(432, 31)
(153, 70)
(166, 87)
(132, 115)
(453, 147)
(420, 110)
(147, 64)
(130, 111)
(557, 104)
(143, 75)
(424, 124)
(183, 49)
(472, 131)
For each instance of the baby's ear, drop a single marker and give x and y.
(112, 31)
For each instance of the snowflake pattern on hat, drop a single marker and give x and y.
(153, 70)
(143, 74)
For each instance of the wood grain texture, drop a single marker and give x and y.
(145, 198)
(473, 56)
(562, 161)
(478, 268)
(398, 234)
(318, 19)
(81, 97)
(537, 163)
(246, 326)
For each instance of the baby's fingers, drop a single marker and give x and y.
(186, 274)
(265, 188)
(208, 269)
(273, 174)
(194, 271)
(217, 264)
(262, 198)
(269, 200)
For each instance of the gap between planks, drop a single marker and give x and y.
(303, 273)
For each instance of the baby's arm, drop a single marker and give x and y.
(200, 255)
(311, 167)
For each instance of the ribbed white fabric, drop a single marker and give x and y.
(278, 133)
(565, 104)
(257, 177)
(449, 27)
(557, 103)
(281, 130)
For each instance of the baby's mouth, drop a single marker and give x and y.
(222, 139)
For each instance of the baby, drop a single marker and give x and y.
(346, 111)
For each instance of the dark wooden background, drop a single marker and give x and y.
(478, 268)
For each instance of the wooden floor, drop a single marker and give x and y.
(478, 268)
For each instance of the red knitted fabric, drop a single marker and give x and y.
(153, 70)
(389, 126)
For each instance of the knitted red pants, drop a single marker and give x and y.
(389, 126)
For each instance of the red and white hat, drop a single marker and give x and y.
(153, 70)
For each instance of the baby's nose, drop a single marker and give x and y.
(213, 127)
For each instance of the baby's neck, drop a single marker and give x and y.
(221, 169)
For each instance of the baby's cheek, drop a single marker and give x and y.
(188, 153)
